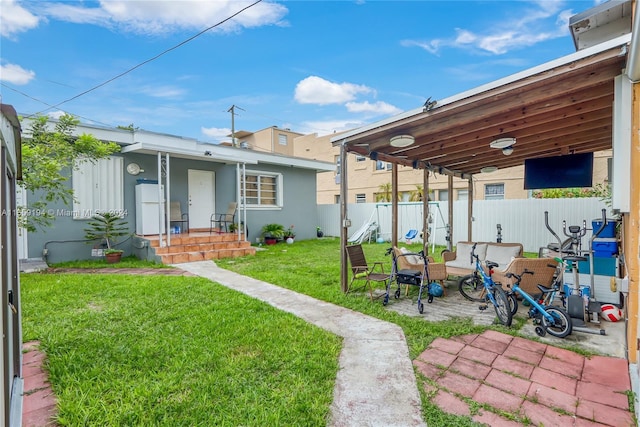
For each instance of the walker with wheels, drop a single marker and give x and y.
(409, 277)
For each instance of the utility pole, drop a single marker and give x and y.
(232, 110)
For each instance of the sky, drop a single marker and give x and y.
(177, 67)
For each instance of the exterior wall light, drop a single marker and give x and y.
(488, 169)
(502, 142)
(401, 141)
(507, 151)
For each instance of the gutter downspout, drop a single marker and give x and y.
(633, 60)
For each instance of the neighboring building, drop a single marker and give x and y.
(268, 140)
(367, 178)
(203, 178)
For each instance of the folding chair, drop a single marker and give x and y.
(223, 219)
(176, 215)
(360, 270)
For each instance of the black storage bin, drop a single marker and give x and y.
(408, 277)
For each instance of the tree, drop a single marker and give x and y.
(47, 159)
(416, 195)
(385, 193)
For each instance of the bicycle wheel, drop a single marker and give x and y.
(513, 302)
(501, 304)
(561, 325)
(471, 288)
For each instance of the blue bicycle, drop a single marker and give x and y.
(547, 318)
(479, 286)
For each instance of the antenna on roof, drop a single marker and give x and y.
(232, 110)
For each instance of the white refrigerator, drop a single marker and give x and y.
(148, 207)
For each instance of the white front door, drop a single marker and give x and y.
(202, 200)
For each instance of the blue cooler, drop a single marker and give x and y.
(608, 231)
(605, 247)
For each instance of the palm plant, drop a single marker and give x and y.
(416, 195)
(385, 193)
(106, 227)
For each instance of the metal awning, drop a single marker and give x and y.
(203, 152)
(561, 107)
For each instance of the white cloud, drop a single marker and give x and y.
(330, 126)
(162, 91)
(533, 25)
(164, 17)
(431, 46)
(316, 90)
(375, 108)
(15, 74)
(15, 19)
(216, 133)
(56, 114)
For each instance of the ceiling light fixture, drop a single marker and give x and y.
(402, 141)
(502, 142)
(507, 151)
(489, 169)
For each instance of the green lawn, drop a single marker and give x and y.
(159, 350)
(175, 351)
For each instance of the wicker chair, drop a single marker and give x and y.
(543, 270)
(436, 270)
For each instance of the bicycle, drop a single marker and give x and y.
(549, 319)
(548, 294)
(480, 287)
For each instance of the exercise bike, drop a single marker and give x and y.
(580, 308)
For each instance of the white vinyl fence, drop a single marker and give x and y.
(522, 220)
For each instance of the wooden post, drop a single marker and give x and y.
(425, 211)
(450, 219)
(344, 267)
(630, 228)
(394, 204)
(470, 211)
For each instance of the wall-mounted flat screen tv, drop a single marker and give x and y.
(573, 170)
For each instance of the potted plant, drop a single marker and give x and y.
(319, 232)
(272, 232)
(289, 234)
(106, 227)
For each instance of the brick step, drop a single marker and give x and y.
(200, 247)
(186, 239)
(177, 258)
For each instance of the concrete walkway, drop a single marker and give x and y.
(377, 390)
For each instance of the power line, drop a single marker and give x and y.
(151, 59)
(26, 95)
